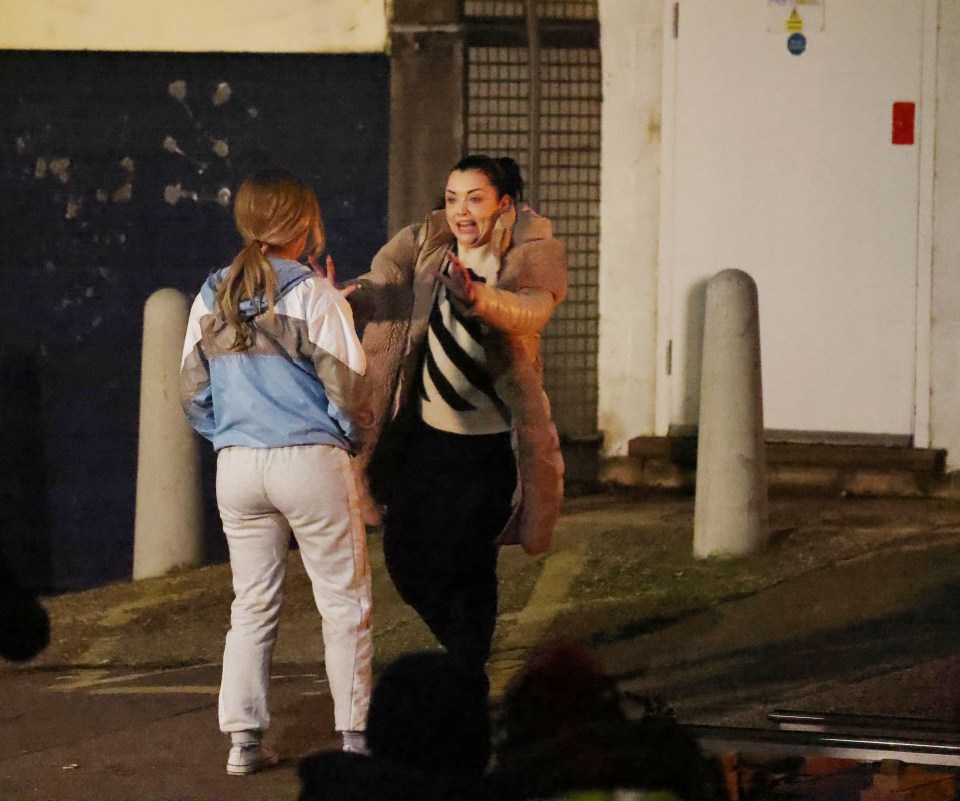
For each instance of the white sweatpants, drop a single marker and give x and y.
(263, 494)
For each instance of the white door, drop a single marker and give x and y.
(785, 167)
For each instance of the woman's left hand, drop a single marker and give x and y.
(458, 281)
(330, 273)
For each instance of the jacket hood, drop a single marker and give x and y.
(289, 274)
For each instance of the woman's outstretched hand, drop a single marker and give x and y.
(458, 281)
(329, 272)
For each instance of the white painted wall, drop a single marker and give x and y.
(279, 26)
(631, 38)
(631, 274)
(945, 299)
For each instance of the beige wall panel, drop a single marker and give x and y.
(282, 26)
(631, 38)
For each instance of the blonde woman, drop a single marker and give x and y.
(270, 374)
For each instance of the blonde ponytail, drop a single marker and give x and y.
(272, 209)
(250, 275)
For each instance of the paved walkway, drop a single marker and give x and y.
(853, 607)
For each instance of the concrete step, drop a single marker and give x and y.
(841, 469)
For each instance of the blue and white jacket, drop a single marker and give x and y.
(298, 384)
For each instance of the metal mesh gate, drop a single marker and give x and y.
(498, 123)
(548, 9)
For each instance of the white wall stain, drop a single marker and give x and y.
(171, 146)
(123, 194)
(60, 167)
(177, 89)
(222, 94)
(172, 193)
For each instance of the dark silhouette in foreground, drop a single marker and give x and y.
(24, 624)
(428, 734)
(562, 728)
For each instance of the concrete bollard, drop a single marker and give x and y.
(730, 508)
(168, 526)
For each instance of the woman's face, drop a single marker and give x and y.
(472, 207)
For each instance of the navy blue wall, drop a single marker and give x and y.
(114, 172)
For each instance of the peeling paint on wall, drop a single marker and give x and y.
(97, 212)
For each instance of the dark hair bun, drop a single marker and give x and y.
(513, 180)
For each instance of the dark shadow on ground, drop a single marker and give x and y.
(759, 665)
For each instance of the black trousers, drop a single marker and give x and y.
(450, 500)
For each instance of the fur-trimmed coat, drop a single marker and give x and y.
(394, 301)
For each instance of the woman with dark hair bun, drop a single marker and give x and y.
(464, 456)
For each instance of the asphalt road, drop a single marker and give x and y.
(852, 607)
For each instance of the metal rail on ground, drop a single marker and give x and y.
(865, 738)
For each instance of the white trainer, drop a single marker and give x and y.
(250, 757)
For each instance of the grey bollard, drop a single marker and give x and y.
(168, 525)
(730, 508)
